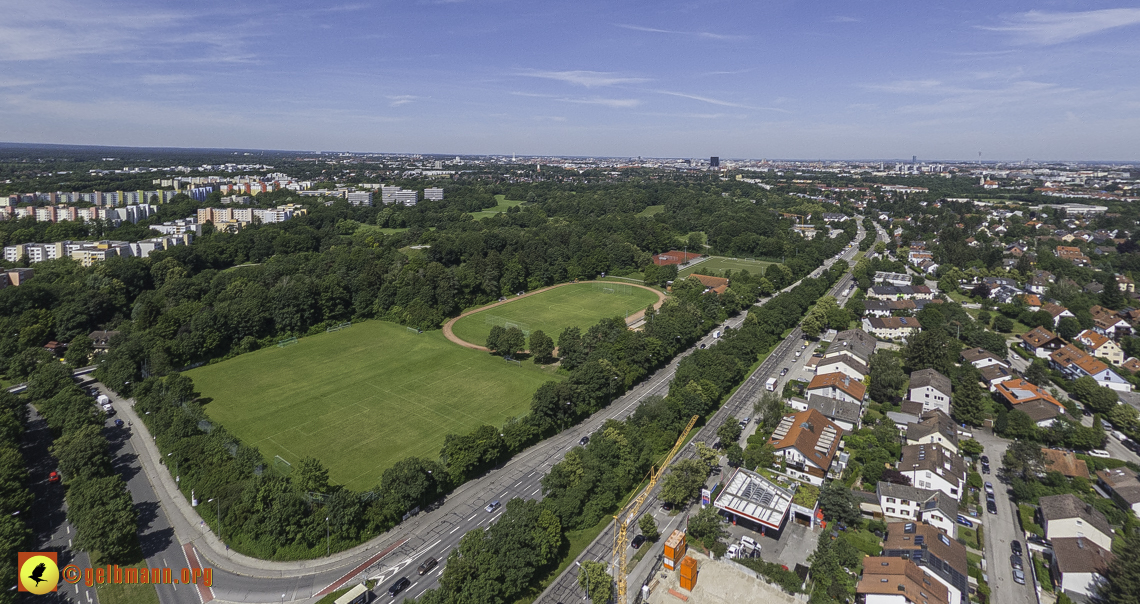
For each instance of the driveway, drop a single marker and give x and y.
(1001, 530)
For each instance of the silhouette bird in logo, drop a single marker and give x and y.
(38, 573)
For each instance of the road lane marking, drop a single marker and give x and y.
(433, 545)
(472, 516)
(517, 484)
(453, 530)
(534, 492)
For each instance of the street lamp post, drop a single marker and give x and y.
(328, 539)
(587, 579)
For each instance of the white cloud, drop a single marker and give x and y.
(1043, 28)
(615, 103)
(697, 34)
(712, 101)
(403, 99)
(589, 79)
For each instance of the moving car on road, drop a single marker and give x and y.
(426, 567)
(584, 440)
(494, 505)
(399, 586)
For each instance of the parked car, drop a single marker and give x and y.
(989, 487)
(399, 586)
(1039, 540)
(53, 477)
(1019, 577)
(118, 423)
(584, 440)
(783, 372)
(637, 541)
(985, 459)
(991, 507)
(1015, 547)
(964, 522)
(494, 505)
(733, 550)
(985, 468)
(1015, 562)
(1100, 453)
(426, 567)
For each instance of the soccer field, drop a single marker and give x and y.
(363, 398)
(717, 264)
(576, 305)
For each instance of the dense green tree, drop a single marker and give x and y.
(971, 447)
(684, 481)
(571, 349)
(931, 349)
(541, 346)
(729, 431)
(592, 576)
(1023, 460)
(79, 351)
(706, 528)
(648, 526)
(312, 476)
(968, 401)
(1003, 324)
(1068, 328)
(887, 377)
(495, 339)
(1037, 373)
(1122, 579)
(734, 455)
(105, 518)
(1094, 396)
(512, 341)
(82, 454)
(838, 504)
(1020, 425)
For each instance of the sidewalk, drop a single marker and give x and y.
(190, 528)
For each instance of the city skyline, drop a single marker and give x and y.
(1008, 81)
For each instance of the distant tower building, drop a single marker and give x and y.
(914, 159)
(714, 162)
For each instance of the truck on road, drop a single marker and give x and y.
(770, 384)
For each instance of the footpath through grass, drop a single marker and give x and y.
(363, 398)
(577, 305)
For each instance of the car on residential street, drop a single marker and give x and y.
(584, 441)
(989, 488)
(1015, 547)
(1015, 562)
(637, 541)
(985, 468)
(991, 507)
(1019, 577)
(985, 459)
(964, 522)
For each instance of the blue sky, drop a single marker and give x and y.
(774, 79)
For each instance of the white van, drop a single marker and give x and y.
(716, 334)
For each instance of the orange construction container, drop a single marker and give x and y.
(688, 583)
(689, 567)
(668, 564)
(675, 547)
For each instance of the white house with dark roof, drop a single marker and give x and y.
(934, 467)
(930, 388)
(1079, 566)
(1067, 516)
(904, 502)
(845, 364)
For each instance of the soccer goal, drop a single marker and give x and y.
(620, 289)
(414, 330)
(286, 342)
(283, 467)
(507, 324)
(339, 327)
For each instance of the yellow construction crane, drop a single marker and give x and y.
(623, 517)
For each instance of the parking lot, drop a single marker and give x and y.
(796, 543)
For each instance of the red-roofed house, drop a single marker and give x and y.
(1076, 363)
(1101, 346)
(837, 385)
(807, 441)
(1018, 391)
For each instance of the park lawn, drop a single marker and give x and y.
(576, 305)
(718, 264)
(363, 398)
(651, 211)
(504, 205)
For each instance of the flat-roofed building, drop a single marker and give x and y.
(757, 501)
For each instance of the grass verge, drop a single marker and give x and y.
(115, 593)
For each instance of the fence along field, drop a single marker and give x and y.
(360, 399)
(580, 305)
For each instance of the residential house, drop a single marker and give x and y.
(807, 441)
(930, 388)
(845, 364)
(939, 556)
(1079, 565)
(1059, 312)
(994, 375)
(1042, 412)
(889, 580)
(714, 284)
(1017, 392)
(900, 501)
(934, 427)
(1125, 283)
(934, 467)
(1066, 516)
(1072, 254)
(1109, 323)
(836, 385)
(896, 279)
(886, 308)
(1101, 346)
(1041, 342)
(845, 414)
(1031, 301)
(1132, 364)
(1075, 363)
(892, 328)
(853, 342)
(1123, 486)
(981, 358)
(1065, 462)
(102, 339)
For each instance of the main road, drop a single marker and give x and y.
(431, 534)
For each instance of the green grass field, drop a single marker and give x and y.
(504, 205)
(363, 398)
(651, 211)
(579, 305)
(718, 264)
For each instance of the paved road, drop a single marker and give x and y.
(160, 546)
(1001, 530)
(51, 532)
(565, 588)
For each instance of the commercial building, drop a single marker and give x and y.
(359, 198)
(755, 501)
(433, 193)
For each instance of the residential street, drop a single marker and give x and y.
(1002, 529)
